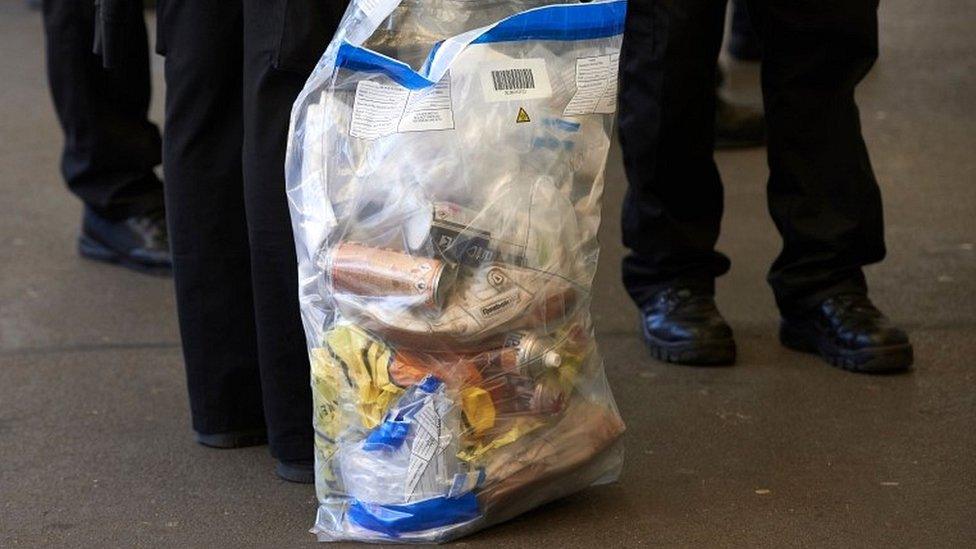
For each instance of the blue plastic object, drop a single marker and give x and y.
(388, 436)
(394, 520)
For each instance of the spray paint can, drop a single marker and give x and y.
(376, 273)
(515, 395)
(534, 351)
(548, 398)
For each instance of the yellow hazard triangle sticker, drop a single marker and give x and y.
(522, 116)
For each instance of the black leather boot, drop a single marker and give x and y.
(849, 332)
(683, 326)
(139, 243)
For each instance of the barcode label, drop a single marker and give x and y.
(513, 79)
(516, 79)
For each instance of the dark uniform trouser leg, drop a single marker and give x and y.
(110, 146)
(271, 68)
(673, 208)
(822, 193)
(205, 207)
(274, 74)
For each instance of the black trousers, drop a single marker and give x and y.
(822, 193)
(233, 70)
(110, 146)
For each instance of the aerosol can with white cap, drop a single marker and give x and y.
(535, 352)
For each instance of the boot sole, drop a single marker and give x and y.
(712, 352)
(89, 248)
(891, 358)
(228, 441)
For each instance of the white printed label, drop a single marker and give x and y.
(427, 457)
(596, 86)
(429, 109)
(377, 109)
(504, 306)
(384, 109)
(516, 79)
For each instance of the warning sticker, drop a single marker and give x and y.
(522, 116)
(384, 109)
(596, 86)
(516, 79)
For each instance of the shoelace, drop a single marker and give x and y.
(151, 223)
(853, 312)
(854, 303)
(687, 300)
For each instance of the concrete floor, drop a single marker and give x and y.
(95, 448)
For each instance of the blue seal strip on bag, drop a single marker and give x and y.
(557, 22)
(394, 520)
(363, 60)
(560, 22)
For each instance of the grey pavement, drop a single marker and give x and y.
(781, 450)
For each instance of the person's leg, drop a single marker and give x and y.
(823, 195)
(737, 126)
(278, 57)
(205, 198)
(110, 146)
(744, 43)
(822, 192)
(673, 207)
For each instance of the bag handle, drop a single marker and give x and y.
(554, 22)
(373, 13)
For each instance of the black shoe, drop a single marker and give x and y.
(738, 126)
(301, 471)
(684, 327)
(139, 243)
(234, 439)
(849, 332)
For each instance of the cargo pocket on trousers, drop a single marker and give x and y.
(306, 29)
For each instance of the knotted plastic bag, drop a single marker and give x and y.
(444, 174)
